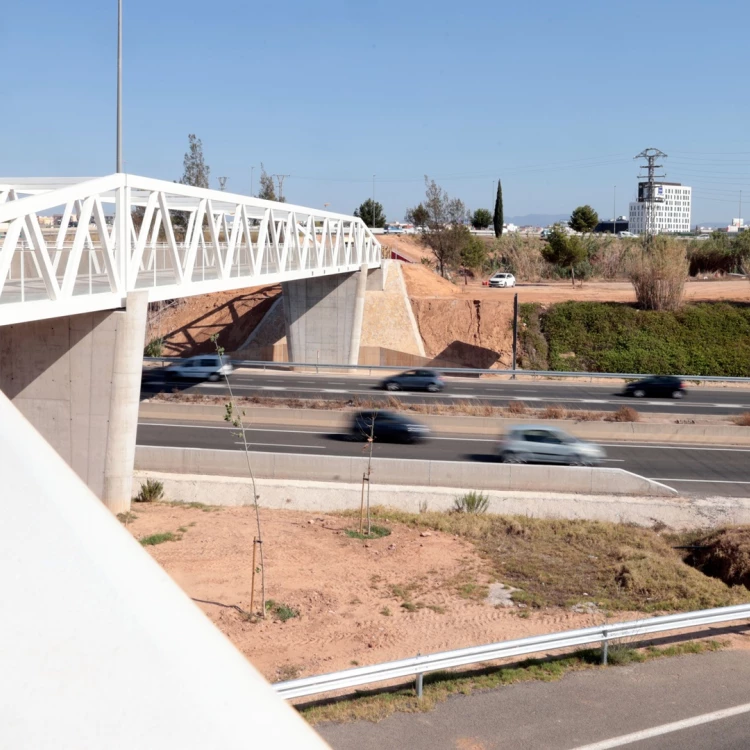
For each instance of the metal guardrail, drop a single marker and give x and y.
(261, 364)
(418, 666)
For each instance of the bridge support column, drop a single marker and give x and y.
(320, 316)
(77, 379)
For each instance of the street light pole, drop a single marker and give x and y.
(614, 211)
(252, 169)
(119, 86)
(373, 200)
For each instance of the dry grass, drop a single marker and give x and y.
(557, 562)
(623, 414)
(554, 411)
(461, 408)
(659, 273)
(742, 420)
(439, 686)
(516, 408)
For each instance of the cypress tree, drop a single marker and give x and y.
(497, 218)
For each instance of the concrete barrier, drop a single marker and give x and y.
(647, 432)
(463, 475)
(675, 512)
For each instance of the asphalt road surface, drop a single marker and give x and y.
(574, 395)
(698, 702)
(702, 471)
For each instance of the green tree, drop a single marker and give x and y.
(419, 216)
(371, 213)
(446, 234)
(481, 218)
(267, 190)
(564, 250)
(474, 251)
(195, 171)
(497, 217)
(583, 219)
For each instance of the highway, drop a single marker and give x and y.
(701, 471)
(572, 394)
(669, 704)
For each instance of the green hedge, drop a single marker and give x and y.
(700, 339)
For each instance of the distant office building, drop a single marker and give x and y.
(610, 226)
(670, 208)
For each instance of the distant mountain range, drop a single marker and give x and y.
(536, 220)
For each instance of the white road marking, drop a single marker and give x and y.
(699, 481)
(285, 445)
(673, 447)
(675, 726)
(272, 388)
(332, 390)
(489, 397)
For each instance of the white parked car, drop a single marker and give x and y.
(203, 367)
(501, 279)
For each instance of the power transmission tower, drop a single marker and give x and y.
(222, 183)
(649, 194)
(281, 178)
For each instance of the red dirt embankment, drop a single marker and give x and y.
(188, 324)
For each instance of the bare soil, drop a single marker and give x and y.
(349, 593)
(188, 324)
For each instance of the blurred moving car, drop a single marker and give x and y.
(387, 426)
(203, 367)
(547, 445)
(664, 386)
(500, 279)
(414, 380)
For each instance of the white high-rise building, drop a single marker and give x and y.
(670, 209)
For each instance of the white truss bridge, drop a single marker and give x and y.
(123, 233)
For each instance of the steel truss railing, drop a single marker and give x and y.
(124, 233)
(540, 644)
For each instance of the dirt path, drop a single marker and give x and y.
(350, 594)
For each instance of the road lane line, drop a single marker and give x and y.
(286, 445)
(675, 726)
(699, 481)
(674, 447)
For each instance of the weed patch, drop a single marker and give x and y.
(153, 539)
(281, 612)
(623, 414)
(152, 490)
(560, 562)
(742, 420)
(376, 532)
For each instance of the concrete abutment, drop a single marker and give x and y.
(321, 317)
(77, 379)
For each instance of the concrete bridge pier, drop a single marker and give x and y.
(323, 317)
(77, 379)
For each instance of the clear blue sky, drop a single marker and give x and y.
(553, 97)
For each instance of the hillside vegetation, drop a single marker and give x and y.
(699, 339)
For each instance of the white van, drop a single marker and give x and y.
(203, 367)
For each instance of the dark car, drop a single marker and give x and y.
(414, 380)
(663, 386)
(387, 427)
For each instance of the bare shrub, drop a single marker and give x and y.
(659, 274)
(742, 420)
(554, 411)
(522, 256)
(623, 414)
(589, 416)
(516, 408)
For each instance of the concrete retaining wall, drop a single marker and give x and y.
(336, 420)
(677, 512)
(462, 475)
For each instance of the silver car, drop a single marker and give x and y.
(203, 367)
(539, 443)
